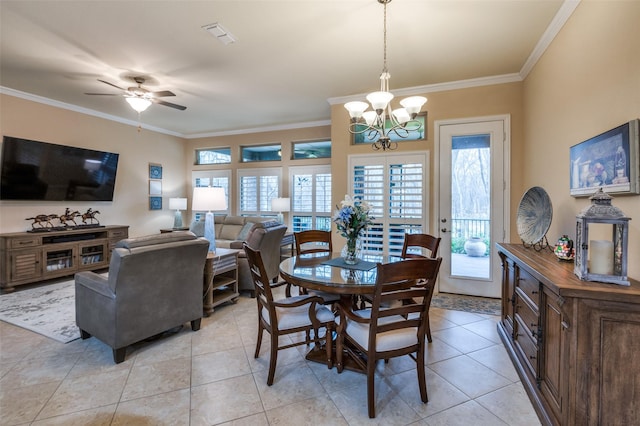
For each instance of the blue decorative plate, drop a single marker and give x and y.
(534, 215)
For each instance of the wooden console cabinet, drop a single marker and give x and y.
(27, 257)
(575, 344)
(220, 279)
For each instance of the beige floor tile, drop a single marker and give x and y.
(224, 400)
(496, 358)
(438, 350)
(158, 377)
(166, 409)
(221, 365)
(486, 328)
(462, 339)
(511, 404)
(468, 375)
(22, 405)
(314, 411)
(259, 419)
(99, 359)
(292, 383)
(457, 317)
(85, 392)
(101, 416)
(45, 370)
(164, 348)
(467, 413)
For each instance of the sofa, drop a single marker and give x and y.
(260, 233)
(154, 285)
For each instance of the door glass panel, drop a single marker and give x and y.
(471, 206)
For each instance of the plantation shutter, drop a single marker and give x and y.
(257, 187)
(310, 197)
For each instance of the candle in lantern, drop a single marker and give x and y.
(601, 254)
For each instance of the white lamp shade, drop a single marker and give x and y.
(401, 115)
(379, 100)
(413, 103)
(370, 117)
(280, 204)
(208, 198)
(137, 103)
(356, 108)
(177, 203)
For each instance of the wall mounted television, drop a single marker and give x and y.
(32, 170)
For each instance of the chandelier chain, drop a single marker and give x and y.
(384, 35)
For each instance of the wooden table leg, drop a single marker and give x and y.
(207, 287)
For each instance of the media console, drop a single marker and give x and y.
(28, 257)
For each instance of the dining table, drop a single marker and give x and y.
(329, 273)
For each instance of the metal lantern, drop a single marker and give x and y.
(602, 260)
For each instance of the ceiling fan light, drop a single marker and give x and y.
(356, 108)
(379, 100)
(413, 104)
(138, 104)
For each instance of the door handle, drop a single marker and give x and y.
(443, 230)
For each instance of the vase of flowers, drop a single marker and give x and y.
(352, 219)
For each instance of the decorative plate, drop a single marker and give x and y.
(534, 215)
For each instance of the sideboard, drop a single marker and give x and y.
(575, 344)
(28, 257)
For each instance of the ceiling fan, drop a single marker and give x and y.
(140, 98)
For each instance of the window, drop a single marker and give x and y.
(409, 135)
(310, 197)
(218, 178)
(256, 189)
(213, 156)
(311, 149)
(396, 187)
(260, 153)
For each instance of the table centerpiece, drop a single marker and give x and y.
(352, 220)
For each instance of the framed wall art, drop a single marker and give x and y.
(155, 203)
(155, 187)
(608, 161)
(155, 171)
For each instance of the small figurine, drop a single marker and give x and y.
(91, 215)
(42, 220)
(564, 249)
(68, 216)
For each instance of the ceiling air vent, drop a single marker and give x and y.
(223, 36)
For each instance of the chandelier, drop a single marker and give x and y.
(382, 121)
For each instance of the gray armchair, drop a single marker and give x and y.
(265, 237)
(154, 284)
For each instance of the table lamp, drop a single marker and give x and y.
(208, 198)
(177, 204)
(280, 205)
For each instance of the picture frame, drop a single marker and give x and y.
(608, 161)
(155, 171)
(155, 187)
(155, 203)
(413, 135)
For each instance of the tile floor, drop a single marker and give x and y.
(210, 377)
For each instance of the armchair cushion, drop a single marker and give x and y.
(297, 316)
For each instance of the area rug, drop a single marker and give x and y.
(477, 305)
(47, 309)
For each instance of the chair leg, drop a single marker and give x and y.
(259, 340)
(422, 383)
(119, 354)
(195, 324)
(339, 348)
(273, 358)
(428, 329)
(371, 394)
(328, 337)
(84, 335)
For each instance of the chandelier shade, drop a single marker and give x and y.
(381, 120)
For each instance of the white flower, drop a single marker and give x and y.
(347, 202)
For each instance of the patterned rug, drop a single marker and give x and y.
(47, 309)
(457, 302)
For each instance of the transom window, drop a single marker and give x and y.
(410, 135)
(213, 156)
(253, 153)
(311, 149)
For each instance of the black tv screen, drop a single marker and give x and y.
(33, 170)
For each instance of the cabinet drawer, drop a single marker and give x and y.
(527, 316)
(529, 286)
(16, 243)
(527, 346)
(118, 233)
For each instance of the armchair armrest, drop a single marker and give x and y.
(95, 282)
(236, 245)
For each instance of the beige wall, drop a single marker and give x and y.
(130, 206)
(587, 82)
(453, 104)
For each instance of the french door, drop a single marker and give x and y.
(472, 203)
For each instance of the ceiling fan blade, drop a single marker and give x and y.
(169, 104)
(163, 93)
(111, 84)
(103, 94)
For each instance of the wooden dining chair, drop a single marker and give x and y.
(414, 247)
(315, 241)
(419, 243)
(382, 332)
(289, 315)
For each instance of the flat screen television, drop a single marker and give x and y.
(32, 170)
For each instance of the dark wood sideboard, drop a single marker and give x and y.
(28, 257)
(575, 344)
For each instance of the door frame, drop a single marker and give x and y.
(506, 184)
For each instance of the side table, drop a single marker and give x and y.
(220, 282)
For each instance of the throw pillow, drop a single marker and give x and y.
(244, 232)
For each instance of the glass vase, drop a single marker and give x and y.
(351, 251)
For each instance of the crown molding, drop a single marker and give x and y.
(260, 129)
